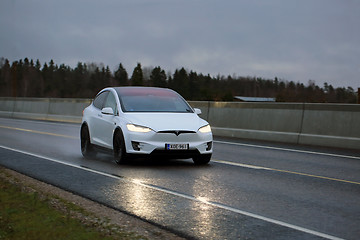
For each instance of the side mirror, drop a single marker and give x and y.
(197, 111)
(107, 111)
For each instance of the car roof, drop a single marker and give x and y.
(142, 91)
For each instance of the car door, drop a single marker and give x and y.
(108, 121)
(96, 118)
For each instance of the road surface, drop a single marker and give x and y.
(250, 190)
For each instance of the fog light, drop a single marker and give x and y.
(209, 146)
(135, 145)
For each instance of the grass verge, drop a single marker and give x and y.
(28, 214)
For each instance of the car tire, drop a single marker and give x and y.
(87, 148)
(202, 159)
(119, 148)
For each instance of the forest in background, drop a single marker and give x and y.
(29, 78)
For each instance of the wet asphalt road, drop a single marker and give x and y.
(250, 190)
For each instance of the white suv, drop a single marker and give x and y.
(145, 121)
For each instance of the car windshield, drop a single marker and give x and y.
(135, 99)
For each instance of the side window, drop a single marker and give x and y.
(100, 99)
(111, 102)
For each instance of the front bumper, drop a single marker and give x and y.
(153, 143)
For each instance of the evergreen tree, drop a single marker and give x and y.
(121, 76)
(63, 80)
(48, 75)
(158, 77)
(95, 81)
(194, 88)
(14, 77)
(78, 80)
(180, 83)
(137, 78)
(37, 64)
(23, 78)
(108, 77)
(5, 78)
(44, 73)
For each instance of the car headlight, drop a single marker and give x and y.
(205, 129)
(135, 128)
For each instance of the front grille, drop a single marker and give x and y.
(177, 132)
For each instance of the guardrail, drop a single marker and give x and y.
(331, 125)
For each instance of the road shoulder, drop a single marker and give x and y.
(100, 215)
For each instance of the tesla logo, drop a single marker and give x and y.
(177, 133)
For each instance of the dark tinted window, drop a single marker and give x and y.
(151, 100)
(100, 99)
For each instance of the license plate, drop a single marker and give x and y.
(176, 146)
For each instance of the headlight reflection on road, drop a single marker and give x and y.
(203, 211)
(203, 199)
(138, 199)
(136, 181)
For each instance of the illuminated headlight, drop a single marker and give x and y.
(205, 129)
(135, 128)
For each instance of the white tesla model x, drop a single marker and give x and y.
(145, 121)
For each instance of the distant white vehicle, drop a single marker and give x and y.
(145, 121)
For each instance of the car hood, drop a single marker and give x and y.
(167, 121)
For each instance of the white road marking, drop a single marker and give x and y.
(38, 132)
(240, 165)
(182, 195)
(282, 171)
(288, 150)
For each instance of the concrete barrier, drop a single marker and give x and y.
(331, 125)
(48, 109)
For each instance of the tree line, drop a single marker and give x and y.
(29, 78)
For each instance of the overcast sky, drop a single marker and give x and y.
(295, 40)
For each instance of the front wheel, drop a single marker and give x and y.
(87, 149)
(202, 159)
(119, 148)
